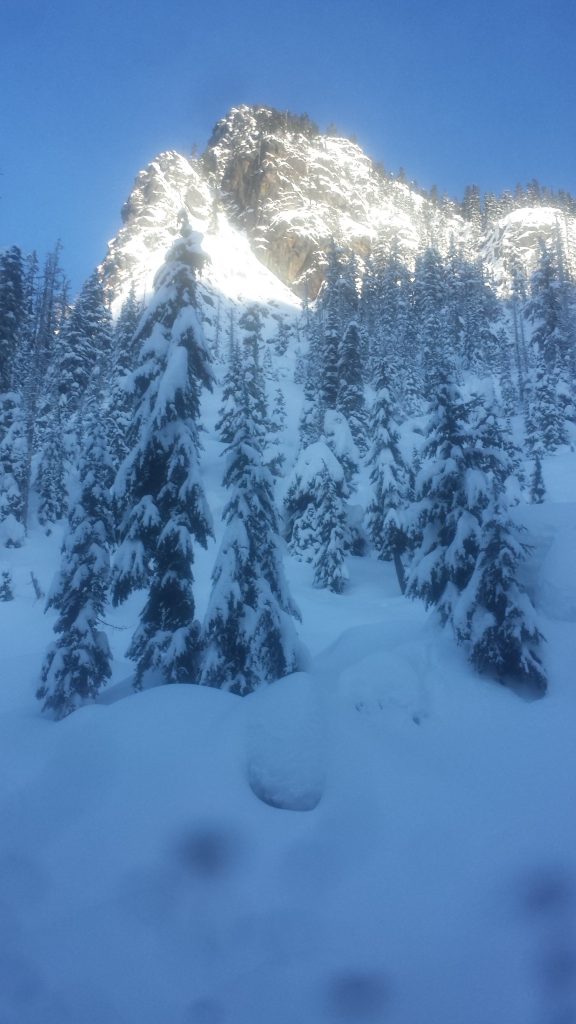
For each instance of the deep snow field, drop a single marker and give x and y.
(384, 838)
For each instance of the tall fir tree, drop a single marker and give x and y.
(388, 479)
(78, 663)
(249, 633)
(159, 488)
(118, 405)
(331, 529)
(494, 617)
(537, 485)
(13, 433)
(468, 553)
(84, 352)
(350, 399)
(315, 465)
(549, 400)
(431, 313)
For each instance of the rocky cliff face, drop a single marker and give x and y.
(293, 191)
(169, 185)
(273, 180)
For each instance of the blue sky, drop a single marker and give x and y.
(454, 92)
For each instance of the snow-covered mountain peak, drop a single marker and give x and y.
(169, 184)
(290, 191)
(517, 238)
(294, 190)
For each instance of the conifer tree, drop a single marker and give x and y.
(495, 618)
(119, 402)
(12, 312)
(51, 475)
(78, 663)
(13, 433)
(158, 488)
(350, 398)
(330, 343)
(42, 397)
(468, 551)
(431, 314)
(331, 534)
(549, 389)
(444, 525)
(315, 465)
(6, 586)
(545, 419)
(248, 632)
(84, 346)
(13, 469)
(227, 418)
(274, 456)
(250, 324)
(388, 481)
(338, 437)
(312, 415)
(537, 486)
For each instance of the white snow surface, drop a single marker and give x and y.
(385, 838)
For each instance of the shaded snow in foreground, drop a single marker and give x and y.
(386, 837)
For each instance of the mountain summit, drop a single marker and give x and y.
(292, 191)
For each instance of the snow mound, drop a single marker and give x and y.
(557, 574)
(386, 683)
(286, 744)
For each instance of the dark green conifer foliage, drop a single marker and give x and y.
(84, 349)
(13, 433)
(350, 398)
(159, 488)
(6, 586)
(537, 486)
(388, 479)
(248, 632)
(119, 402)
(332, 535)
(78, 663)
(496, 620)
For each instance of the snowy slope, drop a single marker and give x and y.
(386, 837)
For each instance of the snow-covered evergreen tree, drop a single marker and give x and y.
(388, 479)
(449, 494)
(494, 617)
(350, 400)
(303, 499)
(431, 312)
(78, 663)
(338, 437)
(549, 401)
(12, 311)
(6, 586)
(274, 456)
(537, 485)
(228, 412)
(84, 346)
(468, 550)
(545, 417)
(331, 533)
(249, 633)
(13, 469)
(13, 432)
(119, 400)
(51, 475)
(159, 488)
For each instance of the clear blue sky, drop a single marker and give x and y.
(455, 92)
